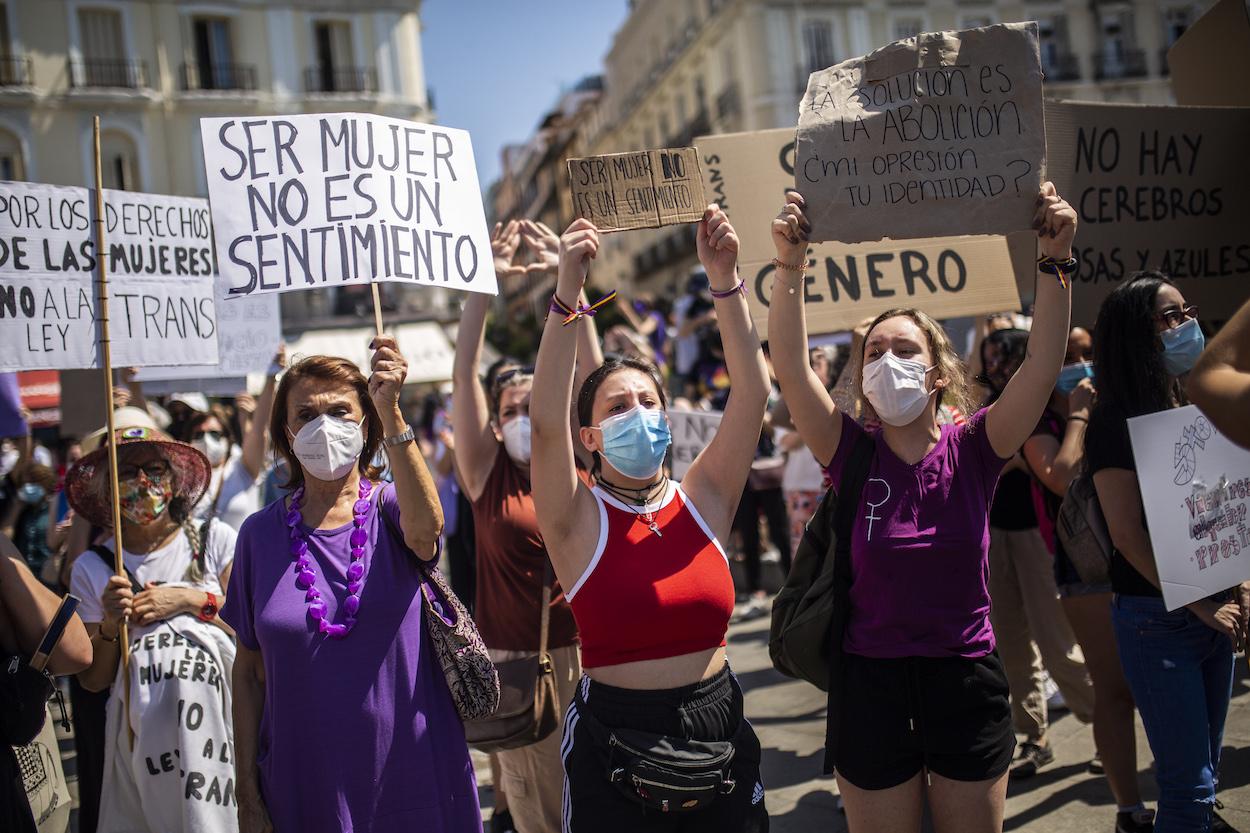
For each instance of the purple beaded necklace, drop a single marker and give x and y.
(306, 578)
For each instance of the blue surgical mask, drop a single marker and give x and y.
(31, 493)
(1182, 346)
(636, 441)
(1071, 376)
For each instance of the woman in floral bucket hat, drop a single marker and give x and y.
(181, 653)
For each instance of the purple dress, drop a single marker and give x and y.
(357, 735)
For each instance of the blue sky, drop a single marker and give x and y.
(497, 66)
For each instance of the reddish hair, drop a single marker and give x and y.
(327, 369)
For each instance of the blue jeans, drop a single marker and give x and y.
(1181, 674)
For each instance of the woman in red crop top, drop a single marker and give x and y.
(646, 574)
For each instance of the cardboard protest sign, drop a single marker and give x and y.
(747, 174)
(1195, 487)
(692, 431)
(321, 200)
(160, 267)
(249, 332)
(643, 189)
(1164, 188)
(936, 135)
(1211, 61)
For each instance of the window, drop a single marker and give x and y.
(1175, 21)
(1117, 57)
(978, 18)
(119, 161)
(11, 163)
(817, 45)
(1052, 33)
(907, 27)
(214, 53)
(332, 43)
(104, 61)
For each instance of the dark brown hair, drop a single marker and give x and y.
(328, 369)
(586, 396)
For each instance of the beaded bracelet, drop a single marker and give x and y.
(572, 314)
(789, 267)
(740, 289)
(1059, 268)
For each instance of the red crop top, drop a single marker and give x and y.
(648, 596)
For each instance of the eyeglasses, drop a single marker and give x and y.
(213, 435)
(502, 378)
(154, 470)
(1176, 316)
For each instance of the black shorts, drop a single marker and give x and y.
(707, 711)
(949, 715)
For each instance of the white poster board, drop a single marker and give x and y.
(248, 335)
(424, 344)
(1195, 487)
(328, 199)
(692, 431)
(160, 268)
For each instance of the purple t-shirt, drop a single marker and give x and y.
(920, 545)
(358, 734)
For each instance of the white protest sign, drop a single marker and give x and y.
(692, 431)
(1195, 487)
(424, 344)
(935, 135)
(160, 268)
(249, 332)
(322, 200)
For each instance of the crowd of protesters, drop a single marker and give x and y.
(278, 550)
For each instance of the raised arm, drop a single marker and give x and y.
(717, 476)
(1056, 462)
(811, 407)
(476, 444)
(544, 244)
(28, 608)
(1219, 384)
(563, 504)
(254, 439)
(1012, 418)
(420, 513)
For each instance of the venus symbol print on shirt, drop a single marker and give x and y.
(869, 491)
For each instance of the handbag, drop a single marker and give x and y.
(1082, 530)
(24, 695)
(529, 701)
(470, 675)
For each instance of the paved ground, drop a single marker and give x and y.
(1062, 798)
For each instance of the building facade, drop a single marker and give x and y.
(151, 69)
(681, 68)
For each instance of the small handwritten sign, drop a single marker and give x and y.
(644, 189)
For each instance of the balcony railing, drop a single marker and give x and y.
(196, 77)
(116, 73)
(1064, 67)
(1128, 63)
(15, 71)
(325, 79)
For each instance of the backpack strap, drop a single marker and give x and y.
(106, 555)
(850, 489)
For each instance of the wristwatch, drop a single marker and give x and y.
(399, 438)
(209, 611)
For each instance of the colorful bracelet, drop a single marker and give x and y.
(740, 289)
(789, 267)
(1059, 268)
(571, 314)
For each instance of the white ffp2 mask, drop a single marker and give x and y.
(516, 439)
(328, 446)
(896, 388)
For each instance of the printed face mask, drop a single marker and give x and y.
(1071, 376)
(896, 388)
(144, 500)
(329, 446)
(636, 441)
(1182, 346)
(516, 439)
(214, 447)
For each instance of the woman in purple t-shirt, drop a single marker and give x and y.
(343, 720)
(922, 696)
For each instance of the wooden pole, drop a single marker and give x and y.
(377, 307)
(102, 300)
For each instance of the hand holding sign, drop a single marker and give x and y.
(717, 243)
(390, 369)
(791, 230)
(1055, 222)
(578, 246)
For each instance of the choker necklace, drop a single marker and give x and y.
(639, 497)
(306, 576)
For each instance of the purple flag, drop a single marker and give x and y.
(12, 423)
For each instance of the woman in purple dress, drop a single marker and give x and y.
(343, 719)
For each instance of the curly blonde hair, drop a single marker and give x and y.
(956, 394)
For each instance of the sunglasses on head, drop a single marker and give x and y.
(502, 378)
